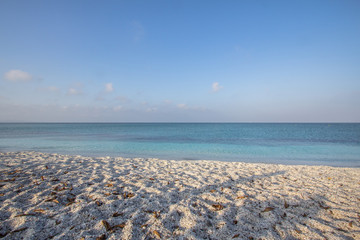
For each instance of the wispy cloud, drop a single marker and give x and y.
(122, 99)
(182, 106)
(167, 101)
(151, 109)
(216, 87)
(75, 89)
(138, 30)
(100, 98)
(117, 108)
(109, 87)
(17, 76)
(50, 89)
(74, 92)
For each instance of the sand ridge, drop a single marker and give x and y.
(53, 196)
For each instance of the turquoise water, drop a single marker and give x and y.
(312, 144)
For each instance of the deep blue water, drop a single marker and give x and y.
(293, 143)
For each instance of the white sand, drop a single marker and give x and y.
(44, 196)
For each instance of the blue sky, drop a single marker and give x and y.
(180, 61)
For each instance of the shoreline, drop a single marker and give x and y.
(45, 195)
(303, 162)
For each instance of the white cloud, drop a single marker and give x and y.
(17, 76)
(73, 92)
(109, 87)
(182, 106)
(216, 87)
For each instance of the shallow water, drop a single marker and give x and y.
(285, 143)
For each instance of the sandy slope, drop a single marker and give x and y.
(45, 196)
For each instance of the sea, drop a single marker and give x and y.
(331, 144)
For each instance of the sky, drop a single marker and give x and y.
(179, 61)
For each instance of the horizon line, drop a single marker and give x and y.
(159, 122)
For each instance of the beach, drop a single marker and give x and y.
(53, 196)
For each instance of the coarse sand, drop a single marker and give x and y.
(53, 196)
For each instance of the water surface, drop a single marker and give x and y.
(312, 144)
